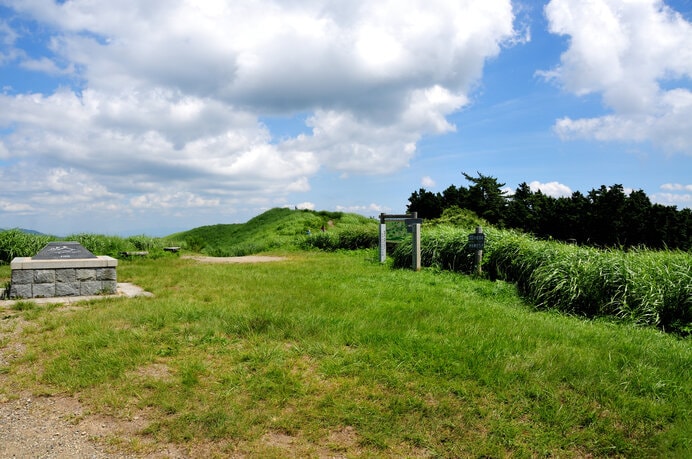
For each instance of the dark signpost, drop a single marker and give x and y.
(477, 243)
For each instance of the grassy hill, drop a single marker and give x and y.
(275, 228)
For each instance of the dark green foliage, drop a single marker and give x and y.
(358, 237)
(604, 217)
(425, 203)
(328, 241)
(351, 237)
(485, 197)
(463, 218)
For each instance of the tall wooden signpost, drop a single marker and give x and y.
(402, 224)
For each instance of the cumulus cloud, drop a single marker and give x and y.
(371, 209)
(674, 194)
(167, 95)
(553, 189)
(427, 182)
(638, 57)
(676, 187)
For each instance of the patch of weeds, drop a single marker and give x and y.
(5, 290)
(190, 373)
(23, 305)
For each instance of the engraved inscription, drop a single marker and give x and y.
(63, 250)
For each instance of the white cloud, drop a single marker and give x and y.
(305, 206)
(167, 95)
(638, 56)
(675, 194)
(177, 200)
(673, 199)
(676, 187)
(427, 182)
(553, 189)
(370, 210)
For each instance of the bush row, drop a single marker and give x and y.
(349, 238)
(640, 286)
(16, 243)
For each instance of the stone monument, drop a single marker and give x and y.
(63, 268)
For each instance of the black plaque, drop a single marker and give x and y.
(476, 241)
(63, 250)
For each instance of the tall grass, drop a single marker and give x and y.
(639, 286)
(17, 243)
(349, 237)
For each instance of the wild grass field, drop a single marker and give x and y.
(340, 356)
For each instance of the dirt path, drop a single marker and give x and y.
(55, 427)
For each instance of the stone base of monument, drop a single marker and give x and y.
(71, 277)
(63, 269)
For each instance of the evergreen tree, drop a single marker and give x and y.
(486, 198)
(426, 203)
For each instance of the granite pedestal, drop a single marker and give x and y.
(54, 272)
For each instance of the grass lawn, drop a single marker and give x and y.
(336, 355)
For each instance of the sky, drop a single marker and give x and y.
(154, 117)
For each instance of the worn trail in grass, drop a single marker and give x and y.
(345, 356)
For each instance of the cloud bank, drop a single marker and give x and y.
(160, 102)
(637, 55)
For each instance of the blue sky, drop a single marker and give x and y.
(154, 117)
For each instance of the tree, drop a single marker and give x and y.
(605, 219)
(454, 197)
(637, 213)
(426, 203)
(521, 210)
(486, 198)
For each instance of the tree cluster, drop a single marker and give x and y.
(604, 217)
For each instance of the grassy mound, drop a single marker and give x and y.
(279, 228)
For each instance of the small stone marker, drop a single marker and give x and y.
(63, 250)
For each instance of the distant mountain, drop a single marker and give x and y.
(24, 230)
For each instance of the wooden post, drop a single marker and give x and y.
(383, 239)
(478, 259)
(416, 247)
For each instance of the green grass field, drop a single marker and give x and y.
(338, 355)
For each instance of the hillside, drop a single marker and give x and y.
(278, 227)
(24, 230)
